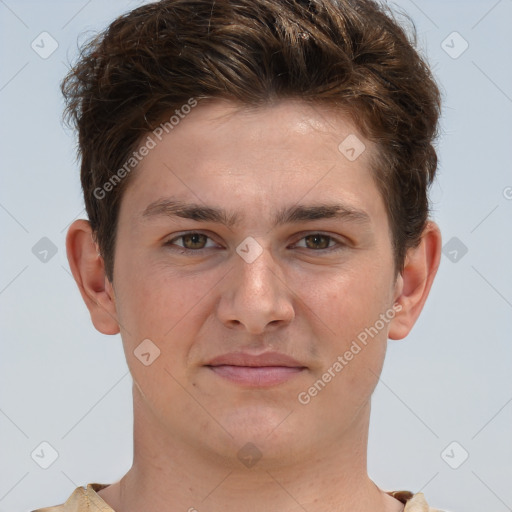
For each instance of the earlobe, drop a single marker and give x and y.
(416, 280)
(88, 269)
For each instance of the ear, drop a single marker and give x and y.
(88, 270)
(414, 283)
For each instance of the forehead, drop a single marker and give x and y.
(287, 128)
(267, 157)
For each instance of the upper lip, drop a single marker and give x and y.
(245, 359)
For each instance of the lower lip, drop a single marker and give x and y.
(258, 376)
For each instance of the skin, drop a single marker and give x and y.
(299, 300)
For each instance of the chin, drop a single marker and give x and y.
(265, 426)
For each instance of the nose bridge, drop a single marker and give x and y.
(260, 277)
(256, 294)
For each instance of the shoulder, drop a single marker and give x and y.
(413, 502)
(83, 499)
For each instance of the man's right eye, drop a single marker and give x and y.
(192, 241)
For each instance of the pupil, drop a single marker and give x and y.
(317, 240)
(194, 239)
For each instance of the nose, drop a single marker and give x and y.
(255, 296)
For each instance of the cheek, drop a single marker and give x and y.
(154, 299)
(167, 307)
(159, 324)
(347, 312)
(348, 302)
(353, 346)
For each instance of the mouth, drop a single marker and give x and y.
(268, 369)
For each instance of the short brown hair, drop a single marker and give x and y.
(350, 54)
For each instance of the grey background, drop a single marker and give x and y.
(63, 383)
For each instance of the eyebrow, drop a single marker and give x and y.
(292, 214)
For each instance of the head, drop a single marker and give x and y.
(299, 133)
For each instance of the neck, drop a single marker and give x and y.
(168, 475)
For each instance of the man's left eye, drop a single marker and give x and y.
(317, 241)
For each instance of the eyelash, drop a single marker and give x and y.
(182, 250)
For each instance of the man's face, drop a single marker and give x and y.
(248, 257)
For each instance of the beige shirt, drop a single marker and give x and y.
(87, 500)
